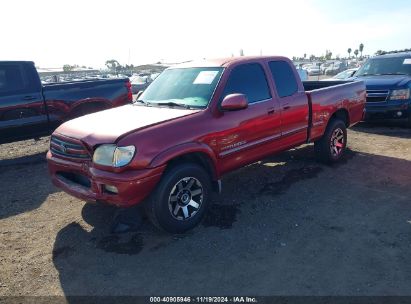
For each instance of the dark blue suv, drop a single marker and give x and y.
(388, 82)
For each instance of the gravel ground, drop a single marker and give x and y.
(284, 226)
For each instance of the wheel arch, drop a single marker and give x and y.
(192, 152)
(341, 114)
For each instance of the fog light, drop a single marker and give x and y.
(111, 189)
(399, 113)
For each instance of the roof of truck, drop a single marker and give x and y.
(224, 62)
(16, 61)
(394, 55)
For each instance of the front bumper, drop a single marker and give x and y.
(87, 183)
(388, 110)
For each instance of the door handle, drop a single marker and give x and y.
(270, 110)
(29, 97)
(286, 107)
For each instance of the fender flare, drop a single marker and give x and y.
(184, 149)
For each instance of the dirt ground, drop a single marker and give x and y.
(284, 226)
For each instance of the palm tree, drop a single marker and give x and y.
(328, 54)
(356, 53)
(67, 68)
(349, 52)
(361, 49)
(112, 65)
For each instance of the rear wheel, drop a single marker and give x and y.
(181, 199)
(331, 147)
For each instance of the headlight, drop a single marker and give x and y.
(123, 155)
(400, 94)
(113, 156)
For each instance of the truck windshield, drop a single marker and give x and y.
(386, 66)
(188, 87)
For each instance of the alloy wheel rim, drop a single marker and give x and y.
(185, 198)
(337, 142)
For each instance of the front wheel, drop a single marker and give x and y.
(181, 199)
(331, 147)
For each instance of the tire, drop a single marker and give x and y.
(331, 147)
(181, 199)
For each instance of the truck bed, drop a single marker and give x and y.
(64, 97)
(82, 83)
(328, 97)
(315, 85)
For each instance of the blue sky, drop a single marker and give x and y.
(53, 33)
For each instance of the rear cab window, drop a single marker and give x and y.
(14, 79)
(248, 79)
(284, 78)
(11, 78)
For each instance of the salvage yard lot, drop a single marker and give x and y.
(286, 225)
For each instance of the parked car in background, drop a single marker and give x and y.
(139, 83)
(154, 76)
(324, 66)
(347, 74)
(388, 81)
(195, 123)
(30, 109)
(302, 73)
(335, 68)
(314, 70)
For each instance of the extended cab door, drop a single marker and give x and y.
(293, 103)
(247, 132)
(22, 109)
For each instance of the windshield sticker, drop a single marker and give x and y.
(407, 61)
(205, 77)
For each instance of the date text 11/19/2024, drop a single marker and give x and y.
(203, 300)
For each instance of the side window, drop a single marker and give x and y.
(284, 78)
(250, 80)
(11, 78)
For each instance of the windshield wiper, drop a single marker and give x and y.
(366, 74)
(392, 74)
(143, 102)
(380, 74)
(173, 104)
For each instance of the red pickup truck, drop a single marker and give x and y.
(194, 123)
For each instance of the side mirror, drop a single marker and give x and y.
(234, 102)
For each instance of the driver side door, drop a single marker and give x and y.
(250, 130)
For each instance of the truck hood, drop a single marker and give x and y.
(107, 126)
(384, 82)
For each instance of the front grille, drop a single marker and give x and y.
(66, 148)
(377, 95)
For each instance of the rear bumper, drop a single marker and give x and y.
(133, 186)
(387, 110)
